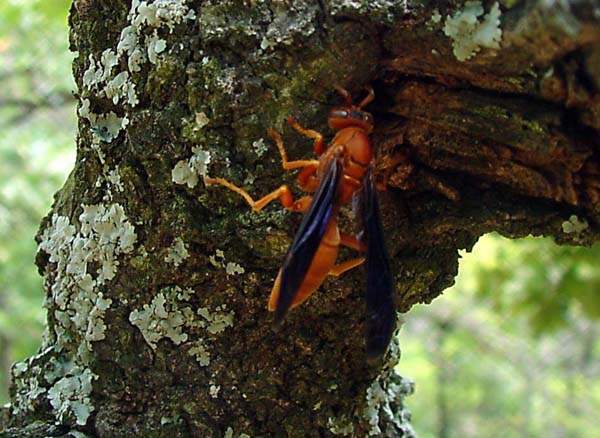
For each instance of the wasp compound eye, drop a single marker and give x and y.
(338, 113)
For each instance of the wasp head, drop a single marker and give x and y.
(351, 115)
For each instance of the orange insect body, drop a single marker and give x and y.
(320, 267)
(341, 170)
(352, 144)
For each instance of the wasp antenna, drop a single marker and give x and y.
(344, 93)
(368, 98)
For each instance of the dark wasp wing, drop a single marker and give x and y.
(381, 303)
(308, 238)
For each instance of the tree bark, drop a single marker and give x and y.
(487, 118)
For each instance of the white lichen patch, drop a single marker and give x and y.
(200, 353)
(106, 127)
(28, 392)
(155, 46)
(171, 316)
(101, 70)
(188, 171)
(31, 381)
(340, 426)
(114, 179)
(470, 29)
(214, 323)
(260, 147)
(160, 319)
(135, 45)
(49, 377)
(200, 161)
(229, 434)
(217, 321)
(574, 225)
(85, 260)
(120, 87)
(77, 434)
(284, 28)
(177, 252)
(99, 78)
(19, 368)
(384, 398)
(59, 368)
(436, 17)
(70, 396)
(183, 173)
(233, 269)
(384, 10)
(111, 76)
(174, 419)
(201, 120)
(213, 391)
(227, 81)
(185, 294)
(138, 46)
(160, 13)
(218, 261)
(105, 233)
(96, 327)
(376, 397)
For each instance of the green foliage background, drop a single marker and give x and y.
(512, 350)
(37, 126)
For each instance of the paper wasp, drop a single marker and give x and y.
(342, 172)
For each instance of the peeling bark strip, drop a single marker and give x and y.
(487, 118)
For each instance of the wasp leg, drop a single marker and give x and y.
(310, 133)
(307, 180)
(352, 242)
(289, 165)
(338, 270)
(283, 193)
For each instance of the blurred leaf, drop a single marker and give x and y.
(539, 280)
(589, 298)
(49, 13)
(509, 350)
(36, 153)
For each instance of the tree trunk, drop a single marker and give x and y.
(487, 119)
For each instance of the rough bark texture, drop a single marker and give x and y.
(153, 331)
